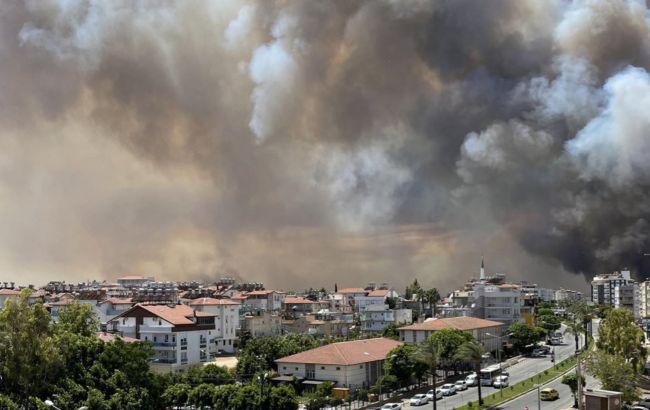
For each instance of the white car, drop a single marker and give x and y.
(419, 400)
(448, 389)
(471, 380)
(500, 381)
(460, 385)
(430, 395)
(391, 406)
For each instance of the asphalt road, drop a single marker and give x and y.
(522, 370)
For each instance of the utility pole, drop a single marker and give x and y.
(578, 371)
(539, 398)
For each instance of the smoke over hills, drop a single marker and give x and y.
(300, 143)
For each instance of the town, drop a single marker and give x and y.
(359, 347)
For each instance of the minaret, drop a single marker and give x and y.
(482, 270)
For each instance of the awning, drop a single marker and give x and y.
(285, 378)
(315, 382)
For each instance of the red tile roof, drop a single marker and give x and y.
(109, 337)
(9, 292)
(345, 353)
(177, 315)
(262, 292)
(298, 301)
(379, 293)
(118, 301)
(212, 301)
(352, 290)
(461, 323)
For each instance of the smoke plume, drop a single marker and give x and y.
(301, 143)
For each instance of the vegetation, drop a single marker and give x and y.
(429, 354)
(523, 335)
(472, 352)
(571, 380)
(621, 337)
(615, 373)
(402, 364)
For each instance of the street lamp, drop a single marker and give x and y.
(50, 403)
(262, 377)
(499, 354)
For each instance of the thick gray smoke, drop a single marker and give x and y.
(302, 143)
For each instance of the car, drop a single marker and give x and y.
(500, 382)
(461, 385)
(471, 380)
(548, 394)
(430, 394)
(419, 400)
(448, 389)
(545, 348)
(636, 408)
(538, 353)
(644, 403)
(391, 406)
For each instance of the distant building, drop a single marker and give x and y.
(603, 287)
(226, 319)
(628, 297)
(262, 323)
(319, 324)
(486, 332)
(376, 318)
(262, 299)
(567, 294)
(644, 299)
(354, 364)
(133, 281)
(6, 294)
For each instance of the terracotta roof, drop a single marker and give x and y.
(9, 292)
(261, 292)
(177, 315)
(509, 285)
(298, 301)
(62, 302)
(461, 323)
(352, 290)
(132, 278)
(37, 293)
(109, 337)
(345, 353)
(212, 301)
(379, 293)
(117, 301)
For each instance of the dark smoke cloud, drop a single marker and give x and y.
(302, 143)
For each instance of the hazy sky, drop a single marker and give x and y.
(304, 143)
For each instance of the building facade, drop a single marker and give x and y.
(486, 332)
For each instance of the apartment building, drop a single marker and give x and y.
(262, 323)
(644, 299)
(487, 332)
(628, 297)
(603, 287)
(262, 299)
(133, 281)
(179, 334)
(7, 294)
(109, 308)
(497, 302)
(376, 318)
(567, 294)
(373, 299)
(226, 320)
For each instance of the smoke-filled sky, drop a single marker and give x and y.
(302, 143)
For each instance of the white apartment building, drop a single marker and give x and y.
(263, 299)
(628, 297)
(111, 307)
(603, 287)
(375, 318)
(373, 299)
(179, 334)
(344, 299)
(644, 299)
(567, 294)
(262, 323)
(500, 303)
(226, 320)
(133, 281)
(354, 364)
(543, 294)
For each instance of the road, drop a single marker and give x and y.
(522, 370)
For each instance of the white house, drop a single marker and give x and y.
(376, 318)
(262, 323)
(133, 281)
(109, 308)
(373, 299)
(179, 334)
(263, 299)
(6, 294)
(226, 320)
(354, 364)
(487, 332)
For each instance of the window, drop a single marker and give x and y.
(155, 338)
(338, 368)
(361, 367)
(284, 367)
(159, 322)
(123, 321)
(322, 367)
(166, 338)
(296, 368)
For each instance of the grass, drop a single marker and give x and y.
(526, 385)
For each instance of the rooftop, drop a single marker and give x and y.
(212, 302)
(345, 353)
(352, 290)
(461, 323)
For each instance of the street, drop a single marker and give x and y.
(520, 371)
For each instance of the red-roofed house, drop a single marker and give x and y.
(297, 306)
(179, 334)
(6, 294)
(354, 364)
(264, 299)
(487, 332)
(226, 320)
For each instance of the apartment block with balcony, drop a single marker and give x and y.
(603, 287)
(226, 320)
(179, 334)
(376, 318)
(501, 303)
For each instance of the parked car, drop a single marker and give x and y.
(391, 406)
(419, 400)
(549, 394)
(448, 389)
(644, 403)
(461, 385)
(538, 353)
(471, 380)
(500, 381)
(430, 394)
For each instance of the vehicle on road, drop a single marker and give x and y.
(489, 375)
(501, 381)
(644, 403)
(548, 394)
(448, 389)
(460, 385)
(471, 380)
(419, 400)
(538, 353)
(391, 406)
(430, 394)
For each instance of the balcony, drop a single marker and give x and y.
(164, 344)
(163, 360)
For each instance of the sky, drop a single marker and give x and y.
(302, 144)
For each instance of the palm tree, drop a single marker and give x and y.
(430, 354)
(472, 352)
(433, 297)
(420, 296)
(575, 328)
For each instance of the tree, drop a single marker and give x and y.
(202, 395)
(402, 364)
(449, 341)
(283, 397)
(391, 331)
(620, 336)
(432, 296)
(391, 302)
(571, 380)
(78, 319)
(523, 335)
(429, 354)
(549, 322)
(575, 328)
(412, 290)
(472, 352)
(615, 374)
(177, 394)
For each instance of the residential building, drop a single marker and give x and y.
(226, 320)
(373, 299)
(109, 308)
(298, 306)
(567, 294)
(6, 294)
(644, 299)
(133, 281)
(263, 299)
(498, 302)
(628, 297)
(487, 332)
(262, 323)
(344, 299)
(355, 364)
(179, 334)
(603, 287)
(375, 318)
(319, 324)
(542, 294)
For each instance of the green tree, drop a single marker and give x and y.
(615, 374)
(549, 322)
(575, 328)
(391, 331)
(202, 395)
(177, 394)
(620, 336)
(429, 354)
(571, 380)
(472, 352)
(401, 363)
(432, 297)
(283, 397)
(412, 290)
(449, 341)
(523, 335)
(7, 404)
(79, 319)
